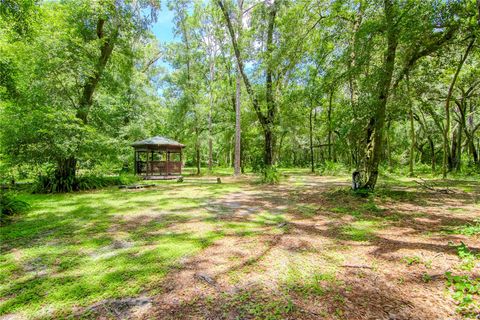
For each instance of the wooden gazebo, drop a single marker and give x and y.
(158, 158)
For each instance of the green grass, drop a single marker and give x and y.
(360, 230)
(72, 250)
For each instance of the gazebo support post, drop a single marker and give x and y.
(168, 163)
(135, 162)
(147, 169)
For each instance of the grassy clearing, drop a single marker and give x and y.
(71, 250)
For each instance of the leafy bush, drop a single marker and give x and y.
(10, 205)
(331, 168)
(270, 175)
(49, 184)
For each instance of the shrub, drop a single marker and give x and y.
(331, 168)
(49, 184)
(270, 175)
(10, 205)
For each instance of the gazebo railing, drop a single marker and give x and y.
(160, 168)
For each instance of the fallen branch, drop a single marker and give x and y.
(356, 266)
(424, 184)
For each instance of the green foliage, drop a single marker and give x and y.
(255, 306)
(48, 183)
(412, 260)
(467, 256)
(270, 175)
(332, 168)
(10, 205)
(469, 229)
(466, 290)
(363, 230)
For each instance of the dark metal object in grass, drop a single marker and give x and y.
(137, 186)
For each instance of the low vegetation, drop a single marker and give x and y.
(300, 249)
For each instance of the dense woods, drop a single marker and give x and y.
(240, 159)
(367, 86)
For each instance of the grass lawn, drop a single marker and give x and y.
(76, 249)
(304, 249)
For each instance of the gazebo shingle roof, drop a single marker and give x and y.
(158, 141)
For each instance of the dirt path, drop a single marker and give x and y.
(306, 249)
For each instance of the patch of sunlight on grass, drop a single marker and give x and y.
(307, 210)
(307, 282)
(266, 218)
(72, 250)
(469, 229)
(360, 230)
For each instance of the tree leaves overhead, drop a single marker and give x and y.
(84, 79)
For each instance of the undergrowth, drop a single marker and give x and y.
(49, 184)
(465, 288)
(10, 205)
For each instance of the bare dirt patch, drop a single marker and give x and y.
(308, 249)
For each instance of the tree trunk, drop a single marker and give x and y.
(412, 129)
(389, 146)
(271, 104)
(329, 120)
(266, 120)
(238, 103)
(197, 151)
(377, 123)
(210, 111)
(86, 100)
(447, 109)
(412, 143)
(65, 175)
(65, 171)
(238, 129)
(268, 151)
(312, 162)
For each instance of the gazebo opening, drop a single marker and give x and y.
(158, 158)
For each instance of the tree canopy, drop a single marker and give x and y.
(368, 85)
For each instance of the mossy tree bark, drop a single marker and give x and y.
(377, 122)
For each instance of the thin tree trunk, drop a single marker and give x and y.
(446, 130)
(458, 161)
(210, 111)
(312, 161)
(266, 120)
(329, 120)
(197, 151)
(434, 158)
(412, 128)
(389, 147)
(412, 143)
(238, 130)
(238, 102)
